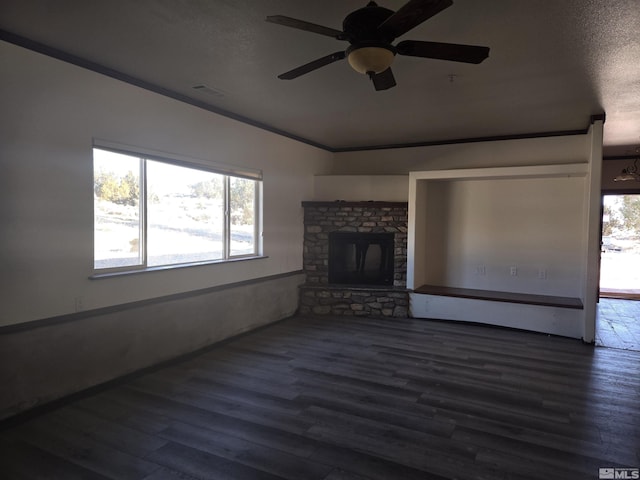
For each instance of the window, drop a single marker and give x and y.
(152, 212)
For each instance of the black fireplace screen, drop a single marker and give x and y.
(361, 258)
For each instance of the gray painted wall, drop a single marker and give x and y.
(62, 356)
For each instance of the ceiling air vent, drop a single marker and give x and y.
(208, 90)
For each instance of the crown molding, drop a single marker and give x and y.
(61, 55)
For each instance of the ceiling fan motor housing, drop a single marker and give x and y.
(370, 50)
(361, 26)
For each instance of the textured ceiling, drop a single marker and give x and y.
(553, 64)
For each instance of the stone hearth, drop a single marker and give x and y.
(317, 295)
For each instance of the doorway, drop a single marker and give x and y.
(620, 247)
(618, 317)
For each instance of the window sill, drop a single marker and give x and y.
(120, 273)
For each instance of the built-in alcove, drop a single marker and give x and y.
(512, 239)
(518, 234)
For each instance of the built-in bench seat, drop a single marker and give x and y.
(497, 296)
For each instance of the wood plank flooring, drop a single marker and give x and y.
(351, 399)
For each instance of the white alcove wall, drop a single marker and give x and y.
(511, 229)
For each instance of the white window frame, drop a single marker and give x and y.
(227, 171)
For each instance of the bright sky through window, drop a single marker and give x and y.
(150, 213)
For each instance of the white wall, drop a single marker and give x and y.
(505, 153)
(357, 188)
(51, 112)
(534, 225)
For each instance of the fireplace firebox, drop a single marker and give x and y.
(361, 258)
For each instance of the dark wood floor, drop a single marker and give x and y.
(347, 399)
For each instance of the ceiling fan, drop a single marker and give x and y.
(371, 30)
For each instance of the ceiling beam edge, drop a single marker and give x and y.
(497, 138)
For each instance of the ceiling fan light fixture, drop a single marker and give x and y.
(371, 31)
(370, 59)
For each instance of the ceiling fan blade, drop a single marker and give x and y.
(307, 26)
(309, 67)
(410, 15)
(443, 51)
(383, 80)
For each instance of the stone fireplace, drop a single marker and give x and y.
(355, 259)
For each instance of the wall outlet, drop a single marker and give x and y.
(79, 304)
(513, 271)
(542, 273)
